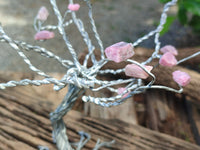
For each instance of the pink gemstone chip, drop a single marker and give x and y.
(42, 14)
(74, 7)
(182, 78)
(169, 48)
(44, 35)
(168, 59)
(119, 51)
(136, 71)
(121, 90)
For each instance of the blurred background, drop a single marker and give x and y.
(116, 20)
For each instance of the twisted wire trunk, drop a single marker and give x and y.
(59, 128)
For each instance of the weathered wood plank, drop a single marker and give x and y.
(168, 114)
(127, 136)
(125, 112)
(24, 124)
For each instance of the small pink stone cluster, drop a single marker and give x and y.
(44, 35)
(169, 48)
(122, 90)
(168, 58)
(182, 78)
(42, 14)
(74, 7)
(122, 51)
(119, 52)
(136, 71)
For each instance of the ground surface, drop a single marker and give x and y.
(116, 20)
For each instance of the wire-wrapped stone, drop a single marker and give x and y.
(119, 52)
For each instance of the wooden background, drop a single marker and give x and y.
(156, 120)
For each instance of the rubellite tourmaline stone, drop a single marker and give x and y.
(119, 51)
(44, 35)
(42, 14)
(74, 7)
(168, 59)
(121, 90)
(136, 71)
(182, 78)
(169, 48)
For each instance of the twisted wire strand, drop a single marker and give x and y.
(156, 31)
(79, 81)
(44, 52)
(59, 129)
(103, 144)
(111, 71)
(85, 137)
(21, 54)
(145, 37)
(95, 29)
(85, 36)
(52, 27)
(37, 24)
(93, 71)
(105, 84)
(162, 23)
(24, 82)
(80, 77)
(117, 100)
(189, 57)
(63, 33)
(165, 88)
(101, 101)
(159, 29)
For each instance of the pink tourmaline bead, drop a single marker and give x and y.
(119, 51)
(121, 90)
(136, 71)
(168, 59)
(44, 35)
(73, 7)
(169, 48)
(182, 78)
(42, 14)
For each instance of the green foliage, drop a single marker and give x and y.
(169, 21)
(188, 14)
(164, 1)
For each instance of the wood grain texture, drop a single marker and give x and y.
(24, 124)
(125, 111)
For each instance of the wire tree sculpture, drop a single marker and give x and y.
(79, 76)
